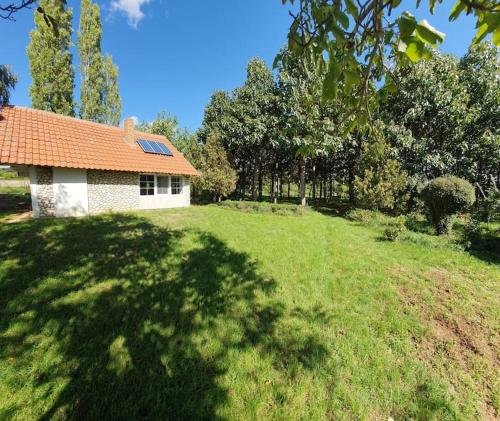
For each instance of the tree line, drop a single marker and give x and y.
(283, 139)
(51, 65)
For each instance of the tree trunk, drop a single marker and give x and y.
(260, 180)
(254, 180)
(314, 182)
(281, 184)
(351, 183)
(243, 181)
(288, 192)
(302, 188)
(272, 186)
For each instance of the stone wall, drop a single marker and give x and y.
(112, 191)
(45, 191)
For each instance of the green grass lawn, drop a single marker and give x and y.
(213, 313)
(13, 200)
(8, 174)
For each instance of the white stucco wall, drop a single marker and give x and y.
(169, 200)
(70, 192)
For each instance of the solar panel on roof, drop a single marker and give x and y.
(164, 149)
(150, 146)
(155, 147)
(145, 145)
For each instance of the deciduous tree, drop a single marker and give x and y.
(218, 178)
(381, 183)
(431, 105)
(358, 41)
(91, 65)
(111, 98)
(51, 61)
(479, 74)
(307, 120)
(8, 82)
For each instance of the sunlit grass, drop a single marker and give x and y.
(212, 313)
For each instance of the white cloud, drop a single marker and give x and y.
(132, 8)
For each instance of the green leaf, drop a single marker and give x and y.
(407, 24)
(277, 59)
(432, 5)
(351, 78)
(352, 8)
(414, 51)
(362, 119)
(429, 34)
(323, 12)
(330, 81)
(342, 18)
(389, 85)
(457, 10)
(481, 33)
(496, 37)
(489, 24)
(294, 27)
(337, 32)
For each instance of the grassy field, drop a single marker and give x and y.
(8, 174)
(212, 313)
(13, 199)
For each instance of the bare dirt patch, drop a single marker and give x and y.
(455, 343)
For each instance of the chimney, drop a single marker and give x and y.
(128, 126)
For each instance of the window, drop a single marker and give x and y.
(147, 185)
(176, 184)
(162, 184)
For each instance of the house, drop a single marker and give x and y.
(78, 167)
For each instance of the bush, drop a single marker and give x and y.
(263, 207)
(395, 229)
(481, 237)
(471, 233)
(444, 197)
(491, 205)
(381, 183)
(363, 216)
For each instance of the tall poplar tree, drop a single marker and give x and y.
(91, 63)
(8, 82)
(51, 61)
(112, 98)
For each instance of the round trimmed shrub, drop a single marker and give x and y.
(444, 197)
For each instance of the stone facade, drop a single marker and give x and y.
(45, 191)
(112, 191)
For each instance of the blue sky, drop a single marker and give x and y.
(172, 54)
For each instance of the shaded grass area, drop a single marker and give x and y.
(214, 314)
(13, 200)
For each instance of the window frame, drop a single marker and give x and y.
(158, 187)
(150, 189)
(173, 189)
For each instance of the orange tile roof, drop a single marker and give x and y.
(34, 137)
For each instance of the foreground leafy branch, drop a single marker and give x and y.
(360, 43)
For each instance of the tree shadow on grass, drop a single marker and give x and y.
(113, 312)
